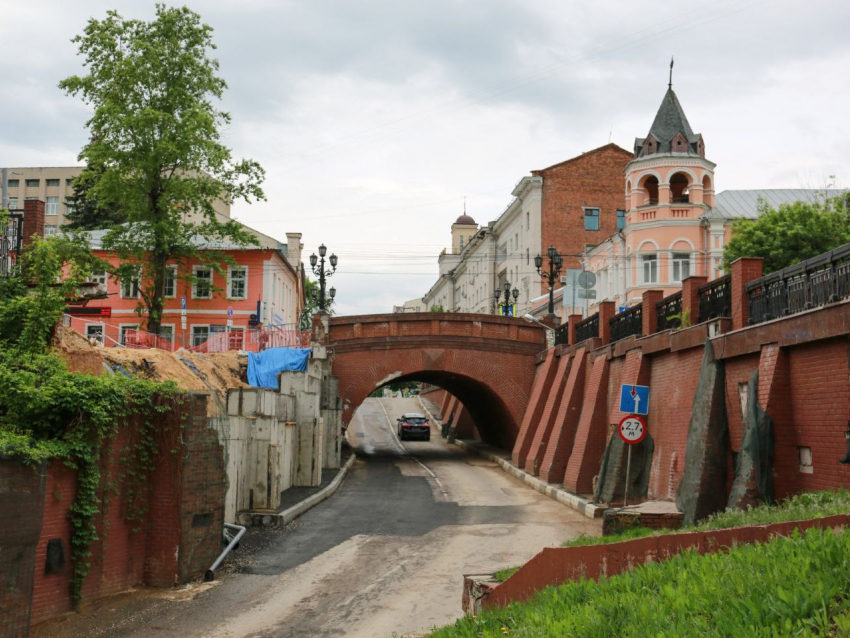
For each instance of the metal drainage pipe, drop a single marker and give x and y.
(210, 575)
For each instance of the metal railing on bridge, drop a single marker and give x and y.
(818, 281)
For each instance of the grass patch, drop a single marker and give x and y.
(796, 508)
(503, 574)
(792, 586)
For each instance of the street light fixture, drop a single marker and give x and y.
(507, 292)
(555, 264)
(318, 266)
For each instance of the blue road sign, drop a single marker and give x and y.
(634, 399)
(183, 303)
(230, 312)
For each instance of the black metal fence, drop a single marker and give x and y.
(11, 239)
(669, 312)
(627, 323)
(562, 335)
(715, 299)
(587, 328)
(815, 282)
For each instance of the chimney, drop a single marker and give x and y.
(33, 220)
(293, 249)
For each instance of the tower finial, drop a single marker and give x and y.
(670, 84)
(464, 204)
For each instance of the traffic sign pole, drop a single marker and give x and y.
(632, 430)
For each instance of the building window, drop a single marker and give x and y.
(95, 331)
(52, 207)
(591, 219)
(621, 219)
(170, 288)
(527, 256)
(14, 183)
(202, 288)
(130, 286)
(98, 278)
(32, 183)
(237, 286)
(128, 331)
(200, 335)
(681, 266)
(51, 230)
(13, 203)
(52, 182)
(528, 221)
(649, 268)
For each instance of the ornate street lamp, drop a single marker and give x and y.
(508, 294)
(318, 266)
(555, 264)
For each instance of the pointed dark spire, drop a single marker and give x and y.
(670, 131)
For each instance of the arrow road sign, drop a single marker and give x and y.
(632, 429)
(634, 399)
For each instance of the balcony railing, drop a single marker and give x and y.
(587, 328)
(815, 282)
(669, 312)
(715, 299)
(627, 323)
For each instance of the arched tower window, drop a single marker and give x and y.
(679, 188)
(650, 188)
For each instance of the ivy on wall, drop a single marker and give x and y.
(47, 412)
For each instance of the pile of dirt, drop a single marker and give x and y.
(192, 371)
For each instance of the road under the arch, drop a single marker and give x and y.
(385, 554)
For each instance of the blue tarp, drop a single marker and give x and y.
(264, 366)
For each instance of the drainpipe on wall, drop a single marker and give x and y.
(705, 244)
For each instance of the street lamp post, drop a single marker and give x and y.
(318, 266)
(555, 264)
(508, 294)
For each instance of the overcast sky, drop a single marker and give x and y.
(374, 119)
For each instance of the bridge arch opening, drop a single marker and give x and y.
(494, 421)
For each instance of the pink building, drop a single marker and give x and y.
(676, 227)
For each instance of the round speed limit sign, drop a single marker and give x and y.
(632, 429)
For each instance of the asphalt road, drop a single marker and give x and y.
(384, 556)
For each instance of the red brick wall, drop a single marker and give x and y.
(673, 380)
(182, 535)
(820, 389)
(22, 505)
(594, 179)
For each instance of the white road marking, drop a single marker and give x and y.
(406, 453)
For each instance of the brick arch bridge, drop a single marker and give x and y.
(487, 362)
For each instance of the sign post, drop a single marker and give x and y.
(632, 430)
(183, 316)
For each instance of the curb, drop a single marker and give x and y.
(290, 514)
(581, 505)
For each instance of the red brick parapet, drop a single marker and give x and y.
(690, 298)
(744, 270)
(649, 314)
(557, 565)
(607, 310)
(572, 322)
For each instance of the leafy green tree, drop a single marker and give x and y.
(155, 131)
(436, 308)
(85, 211)
(791, 234)
(311, 305)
